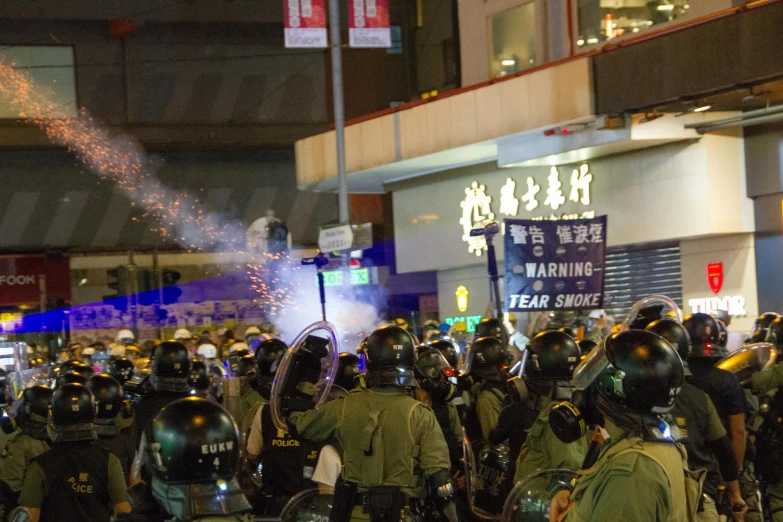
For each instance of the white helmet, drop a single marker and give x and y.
(183, 334)
(238, 345)
(207, 351)
(253, 330)
(116, 350)
(88, 351)
(124, 335)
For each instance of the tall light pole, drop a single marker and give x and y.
(339, 111)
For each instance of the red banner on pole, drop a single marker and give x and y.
(305, 23)
(368, 23)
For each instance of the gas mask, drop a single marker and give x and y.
(570, 420)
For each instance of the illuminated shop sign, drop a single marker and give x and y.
(470, 321)
(359, 276)
(477, 205)
(462, 298)
(734, 305)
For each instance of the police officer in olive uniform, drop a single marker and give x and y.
(394, 449)
(642, 472)
(199, 380)
(195, 456)
(245, 369)
(111, 434)
(27, 426)
(707, 443)
(486, 365)
(77, 479)
(287, 461)
(553, 356)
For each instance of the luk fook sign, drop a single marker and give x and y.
(305, 23)
(369, 23)
(555, 265)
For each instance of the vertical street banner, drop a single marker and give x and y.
(368, 23)
(554, 265)
(305, 23)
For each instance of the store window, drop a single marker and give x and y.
(603, 20)
(513, 34)
(51, 70)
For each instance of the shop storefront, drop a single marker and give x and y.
(676, 212)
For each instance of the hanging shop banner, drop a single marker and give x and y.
(554, 265)
(305, 23)
(368, 22)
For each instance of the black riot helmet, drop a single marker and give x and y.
(644, 374)
(236, 355)
(70, 378)
(430, 368)
(34, 408)
(121, 369)
(171, 360)
(268, 355)
(489, 327)
(486, 357)
(194, 440)
(347, 370)
(570, 331)
(776, 335)
(448, 350)
(73, 413)
(244, 366)
(761, 327)
(553, 355)
(198, 379)
(674, 333)
(703, 331)
(723, 333)
(390, 355)
(586, 345)
(106, 391)
(77, 367)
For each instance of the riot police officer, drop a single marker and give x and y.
(553, 356)
(486, 361)
(723, 387)
(707, 443)
(121, 369)
(199, 380)
(28, 438)
(111, 435)
(347, 372)
(245, 369)
(393, 446)
(760, 329)
(642, 473)
(195, 456)
(489, 327)
(77, 478)
(169, 379)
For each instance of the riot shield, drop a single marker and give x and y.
(19, 514)
(748, 360)
(530, 498)
(485, 475)
(307, 506)
(294, 377)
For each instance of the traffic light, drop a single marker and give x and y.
(171, 293)
(148, 286)
(118, 281)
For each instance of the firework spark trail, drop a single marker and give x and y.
(283, 289)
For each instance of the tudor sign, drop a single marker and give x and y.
(715, 276)
(20, 279)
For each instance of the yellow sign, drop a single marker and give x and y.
(462, 298)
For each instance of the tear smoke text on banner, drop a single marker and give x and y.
(553, 265)
(305, 23)
(368, 23)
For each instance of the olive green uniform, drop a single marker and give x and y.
(16, 457)
(388, 439)
(765, 382)
(543, 450)
(488, 407)
(246, 403)
(635, 480)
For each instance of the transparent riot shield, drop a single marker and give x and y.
(485, 476)
(530, 498)
(308, 506)
(748, 360)
(254, 472)
(293, 377)
(19, 514)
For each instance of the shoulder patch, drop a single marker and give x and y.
(625, 463)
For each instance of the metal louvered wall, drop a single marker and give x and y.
(639, 271)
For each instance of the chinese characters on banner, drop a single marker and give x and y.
(305, 23)
(554, 265)
(368, 23)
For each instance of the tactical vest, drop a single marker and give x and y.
(472, 423)
(77, 482)
(285, 459)
(120, 443)
(684, 485)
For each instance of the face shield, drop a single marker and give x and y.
(596, 362)
(750, 359)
